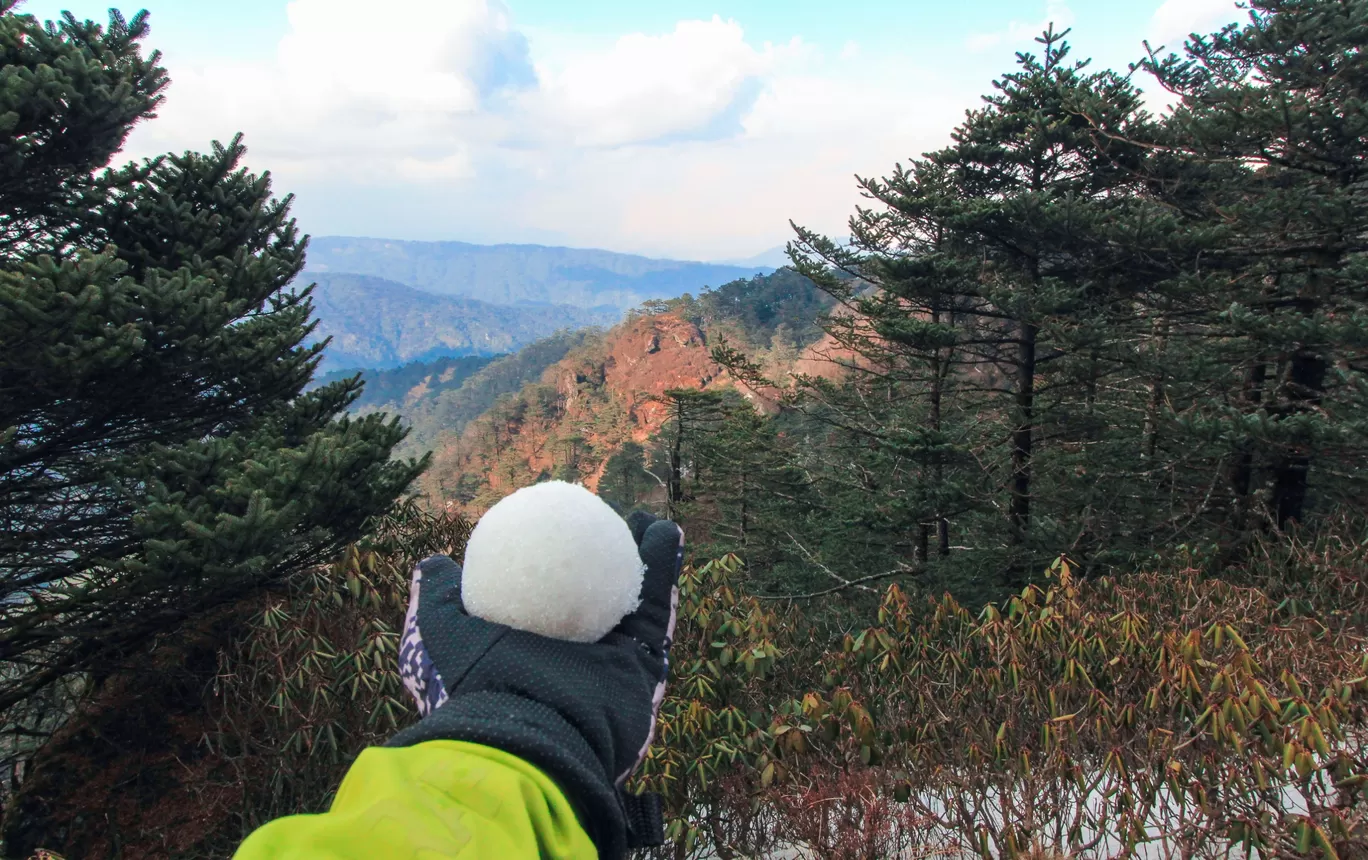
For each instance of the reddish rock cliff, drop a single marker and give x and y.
(650, 355)
(581, 412)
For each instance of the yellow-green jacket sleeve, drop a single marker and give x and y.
(439, 799)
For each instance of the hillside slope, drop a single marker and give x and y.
(375, 323)
(520, 274)
(604, 393)
(395, 388)
(439, 402)
(571, 420)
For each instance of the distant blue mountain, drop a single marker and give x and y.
(375, 323)
(773, 258)
(521, 274)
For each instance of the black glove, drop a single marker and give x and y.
(584, 713)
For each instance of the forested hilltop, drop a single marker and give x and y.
(437, 399)
(592, 415)
(1024, 522)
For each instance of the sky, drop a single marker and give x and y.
(692, 129)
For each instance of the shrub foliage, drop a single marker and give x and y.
(1182, 714)
(1167, 714)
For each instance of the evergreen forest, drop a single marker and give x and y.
(1024, 521)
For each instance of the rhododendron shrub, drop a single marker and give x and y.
(1168, 713)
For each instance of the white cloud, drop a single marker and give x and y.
(351, 90)
(694, 142)
(461, 52)
(1057, 12)
(1174, 21)
(448, 167)
(809, 132)
(649, 87)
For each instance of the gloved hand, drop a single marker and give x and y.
(584, 713)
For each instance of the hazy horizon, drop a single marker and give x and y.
(677, 130)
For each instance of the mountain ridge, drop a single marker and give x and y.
(376, 323)
(520, 274)
(574, 410)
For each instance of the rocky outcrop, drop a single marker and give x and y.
(584, 408)
(650, 355)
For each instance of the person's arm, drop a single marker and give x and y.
(549, 729)
(448, 799)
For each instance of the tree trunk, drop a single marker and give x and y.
(1300, 391)
(675, 487)
(1023, 436)
(1155, 404)
(1242, 472)
(744, 509)
(1306, 384)
(1091, 430)
(939, 370)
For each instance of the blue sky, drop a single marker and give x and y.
(682, 128)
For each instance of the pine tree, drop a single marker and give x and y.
(907, 320)
(1264, 157)
(991, 304)
(745, 487)
(71, 93)
(625, 479)
(691, 414)
(158, 453)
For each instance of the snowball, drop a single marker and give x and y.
(553, 559)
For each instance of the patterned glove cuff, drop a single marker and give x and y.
(645, 819)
